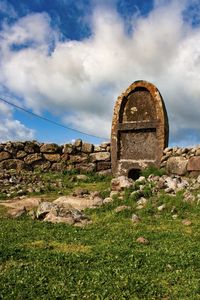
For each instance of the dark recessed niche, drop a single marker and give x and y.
(134, 173)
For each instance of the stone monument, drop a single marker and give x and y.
(139, 130)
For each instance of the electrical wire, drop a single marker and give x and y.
(51, 121)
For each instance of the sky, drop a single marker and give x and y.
(69, 60)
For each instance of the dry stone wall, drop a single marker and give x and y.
(86, 157)
(182, 161)
(32, 155)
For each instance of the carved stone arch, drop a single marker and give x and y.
(139, 129)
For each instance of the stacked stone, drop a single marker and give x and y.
(182, 161)
(34, 155)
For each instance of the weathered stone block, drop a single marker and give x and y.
(65, 157)
(103, 165)
(87, 148)
(198, 152)
(21, 154)
(9, 147)
(31, 147)
(100, 156)
(91, 167)
(15, 164)
(31, 158)
(42, 165)
(104, 145)
(177, 165)
(78, 158)
(69, 149)
(52, 157)
(78, 143)
(97, 149)
(49, 148)
(57, 166)
(105, 172)
(4, 155)
(194, 164)
(19, 146)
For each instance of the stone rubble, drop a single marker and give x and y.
(70, 209)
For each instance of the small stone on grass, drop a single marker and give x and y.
(142, 240)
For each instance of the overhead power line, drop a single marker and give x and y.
(50, 121)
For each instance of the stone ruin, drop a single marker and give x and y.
(139, 130)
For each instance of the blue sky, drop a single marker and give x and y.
(69, 61)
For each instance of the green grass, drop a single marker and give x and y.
(153, 171)
(103, 260)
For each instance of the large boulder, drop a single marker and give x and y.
(31, 158)
(31, 147)
(49, 148)
(43, 209)
(100, 156)
(194, 164)
(120, 183)
(87, 148)
(80, 203)
(52, 157)
(69, 149)
(78, 158)
(21, 154)
(85, 167)
(58, 166)
(4, 155)
(15, 164)
(52, 218)
(41, 165)
(78, 143)
(177, 165)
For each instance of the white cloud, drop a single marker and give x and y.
(11, 129)
(81, 80)
(7, 9)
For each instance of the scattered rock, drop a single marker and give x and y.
(50, 217)
(135, 219)
(80, 192)
(120, 183)
(108, 200)
(188, 197)
(174, 216)
(17, 212)
(161, 207)
(142, 240)
(82, 177)
(186, 222)
(140, 206)
(43, 209)
(113, 193)
(122, 208)
(142, 201)
(141, 179)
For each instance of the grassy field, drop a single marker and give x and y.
(103, 260)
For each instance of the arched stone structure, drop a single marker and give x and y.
(139, 129)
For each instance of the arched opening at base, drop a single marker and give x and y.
(134, 173)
